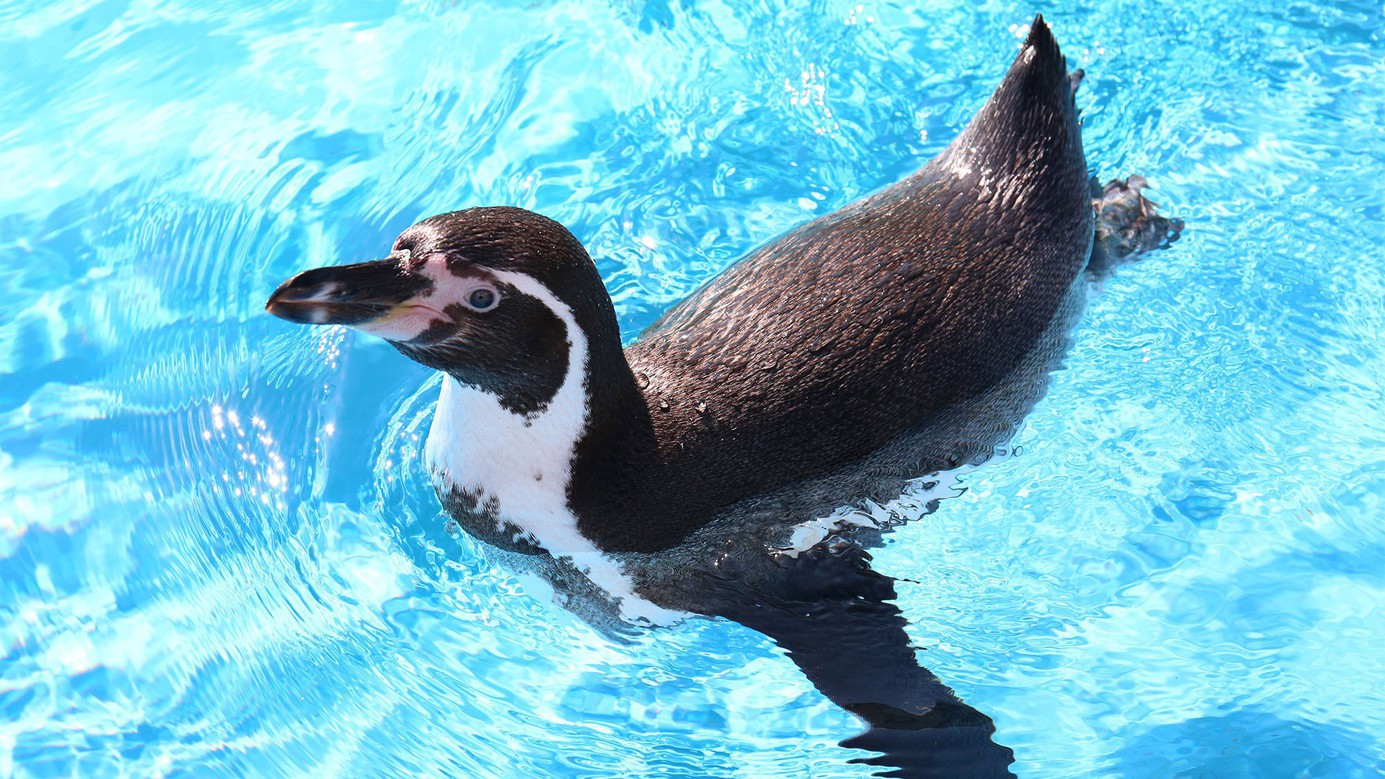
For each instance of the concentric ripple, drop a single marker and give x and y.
(219, 554)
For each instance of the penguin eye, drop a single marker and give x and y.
(482, 298)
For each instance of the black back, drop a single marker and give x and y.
(856, 328)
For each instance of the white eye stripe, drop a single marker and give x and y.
(475, 289)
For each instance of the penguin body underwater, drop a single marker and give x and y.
(904, 335)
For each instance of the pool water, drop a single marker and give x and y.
(219, 554)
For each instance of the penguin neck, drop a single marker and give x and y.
(516, 463)
(567, 476)
(618, 467)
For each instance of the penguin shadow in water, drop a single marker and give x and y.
(906, 334)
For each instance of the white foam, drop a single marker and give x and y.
(912, 502)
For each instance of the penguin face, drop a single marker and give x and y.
(476, 294)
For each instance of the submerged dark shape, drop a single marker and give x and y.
(906, 334)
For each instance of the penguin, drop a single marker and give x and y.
(844, 363)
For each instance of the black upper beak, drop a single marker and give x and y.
(346, 294)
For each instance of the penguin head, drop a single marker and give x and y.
(494, 297)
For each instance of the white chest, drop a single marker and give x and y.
(521, 466)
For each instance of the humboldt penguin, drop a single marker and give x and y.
(732, 460)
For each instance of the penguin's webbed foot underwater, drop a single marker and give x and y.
(1127, 225)
(905, 334)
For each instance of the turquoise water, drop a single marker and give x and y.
(219, 554)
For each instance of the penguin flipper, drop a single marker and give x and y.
(835, 617)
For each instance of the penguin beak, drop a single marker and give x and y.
(369, 296)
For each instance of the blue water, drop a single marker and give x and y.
(219, 554)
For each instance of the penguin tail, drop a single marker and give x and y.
(1035, 99)
(1028, 131)
(1041, 39)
